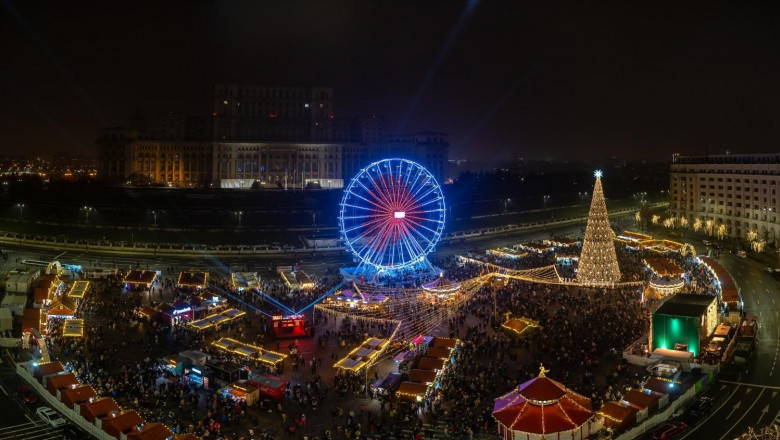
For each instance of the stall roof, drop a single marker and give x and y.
(439, 352)
(62, 306)
(140, 277)
(245, 280)
(728, 287)
(45, 369)
(193, 279)
(663, 266)
(57, 381)
(99, 407)
(77, 394)
(640, 400)
(428, 363)
(686, 304)
(617, 415)
(151, 431)
(122, 421)
(422, 376)
(412, 390)
(78, 289)
(73, 328)
(444, 342)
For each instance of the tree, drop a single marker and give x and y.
(598, 261)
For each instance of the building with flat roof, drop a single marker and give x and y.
(735, 190)
(683, 321)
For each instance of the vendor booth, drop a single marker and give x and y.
(289, 326)
(173, 363)
(140, 279)
(177, 312)
(269, 386)
(245, 280)
(78, 289)
(618, 416)
(297, 279)
(244, 391)
(193, 278)
(363, 354)
(73, 328)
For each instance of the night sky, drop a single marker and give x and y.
(503, 78)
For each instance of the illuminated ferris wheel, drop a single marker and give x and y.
(392, 214)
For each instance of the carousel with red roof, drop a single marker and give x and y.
(543, 409)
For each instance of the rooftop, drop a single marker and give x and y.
(684, 304)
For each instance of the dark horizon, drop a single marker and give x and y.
(503, 81)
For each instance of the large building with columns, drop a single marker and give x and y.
(127, 156)
(736, 190)
(273, 137)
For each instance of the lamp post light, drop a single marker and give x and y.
(87, 210)
(240, 215)
(154, 215)
(546, 198)
(21, 210)
(505, 204)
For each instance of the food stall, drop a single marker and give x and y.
(140, 279)
(269, 386)
(179, 311)
(245, 391)
(73, 328)
(173, 363)
(193, 278)
(289, 326)
(245, 280)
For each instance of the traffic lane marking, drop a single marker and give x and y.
(743, 415)
(722, 405)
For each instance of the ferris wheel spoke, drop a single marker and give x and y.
(414, 247)
(382, 192)
(358, 207)
(420, 225)
(378, 201)
(371, 202)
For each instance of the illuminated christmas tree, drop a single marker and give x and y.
(598, 262)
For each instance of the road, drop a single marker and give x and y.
(19, 421)
(312, 263)
(752, 400)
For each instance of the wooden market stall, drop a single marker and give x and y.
(140, 278)
(73, 328)
(151, 431)
(363, 355)
(93, 410)
(250, 351)
(74, 396)
(193, 278)
(120, 422)
(617, 416)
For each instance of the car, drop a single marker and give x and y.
(700, 406)
(70, 432)
(706, 242)
(669, 430)
(741, 254)
(25, 394)
(771, 270)
(51, 417)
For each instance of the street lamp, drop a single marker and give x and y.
(154, 214)
(505, 203)
(21, 210)
(240, 215)
(87, 210)
(546, 199)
